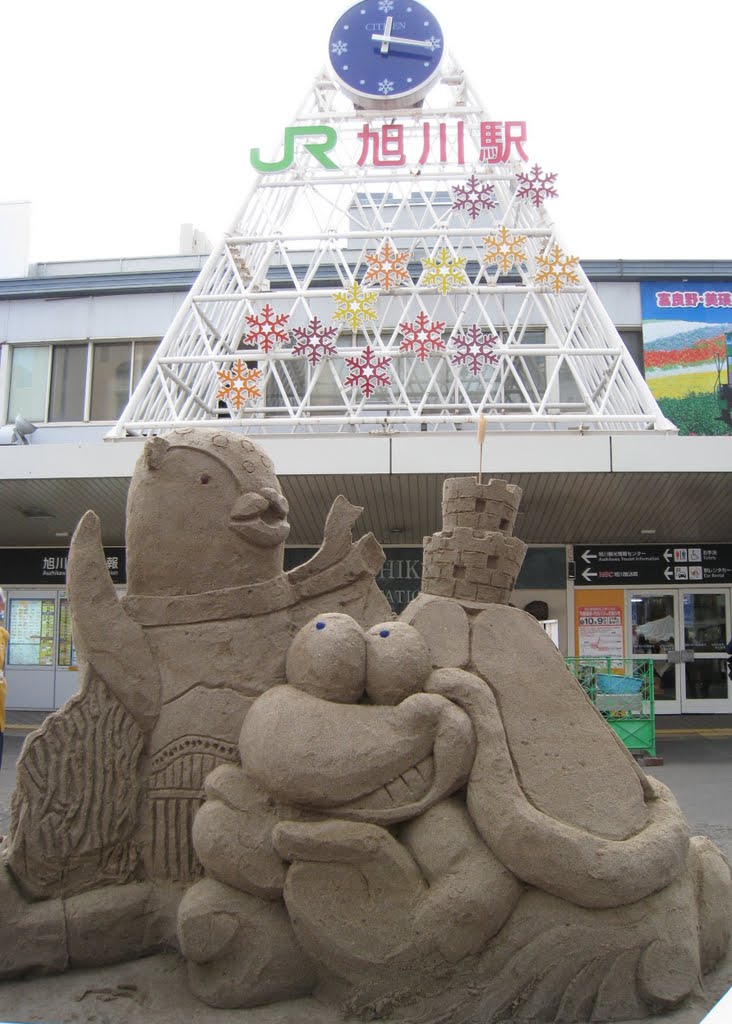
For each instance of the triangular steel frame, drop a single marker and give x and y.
(303, 234)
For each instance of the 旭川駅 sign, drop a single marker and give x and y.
(395, 144)
(654, 565)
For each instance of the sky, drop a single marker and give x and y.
(120, 122)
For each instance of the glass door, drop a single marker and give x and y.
(684, 633)
(66, 681)
(705, 622)
(654, 630)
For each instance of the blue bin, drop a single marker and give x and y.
(618, 684)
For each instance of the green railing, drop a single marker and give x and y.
(622, 691)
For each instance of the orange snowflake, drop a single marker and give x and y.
(387, 267)
(239, 384)
(557, 270)
(504, 249)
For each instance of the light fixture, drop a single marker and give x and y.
(18, 432)
(648, 533)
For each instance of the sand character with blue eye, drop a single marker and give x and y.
(333, 658)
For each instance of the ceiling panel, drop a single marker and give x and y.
(401, 509)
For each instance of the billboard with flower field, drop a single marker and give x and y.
(687, 351)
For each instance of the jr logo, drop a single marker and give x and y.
(317, 149)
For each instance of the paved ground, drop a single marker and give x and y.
(697, 767)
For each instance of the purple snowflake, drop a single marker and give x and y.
(367, 372)
(315, 341)
(536, 186)
(421, 335)
(474, 349)
(473, 197)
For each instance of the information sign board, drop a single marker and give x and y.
(653, 565)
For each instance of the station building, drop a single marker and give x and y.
(603, 388)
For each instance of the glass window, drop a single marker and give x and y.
(705, 623)
(31, 624)
(28, 382)
(110, 388)
(143, 353)
(68, 383)
(653, 623)
(707, 679)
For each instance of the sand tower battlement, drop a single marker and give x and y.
(474, 557)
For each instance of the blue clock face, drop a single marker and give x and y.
(386, 50)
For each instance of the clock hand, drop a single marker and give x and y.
(385, 39)
(426, 44)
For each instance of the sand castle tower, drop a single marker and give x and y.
(474, 557)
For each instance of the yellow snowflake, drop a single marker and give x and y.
(445, 271)
(355, 306)
(557, 270)
(239, 384)
(504, 249)
(387, 267)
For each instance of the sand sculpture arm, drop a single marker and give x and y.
(584, 869)
(112, 643)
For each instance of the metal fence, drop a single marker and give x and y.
(622, 691)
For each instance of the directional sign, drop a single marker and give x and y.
(654, 565)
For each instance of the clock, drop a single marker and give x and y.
(386, 53)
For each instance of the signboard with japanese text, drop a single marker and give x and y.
(38, 566)
(599, 624)
(395, 144)
(686, 352)
(654, 565)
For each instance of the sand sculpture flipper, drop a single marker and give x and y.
(422, 818)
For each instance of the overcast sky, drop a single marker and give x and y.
(122, 121)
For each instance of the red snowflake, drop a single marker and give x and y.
(421, 335)
(474, 349)
(239, 384)
(267, 331)
(536, 186)
(473, 197)
(315, 341)
(387, 267)
(367, 372)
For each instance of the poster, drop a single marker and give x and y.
(687, 352)
(599, 624)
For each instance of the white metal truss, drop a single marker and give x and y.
(302, 239)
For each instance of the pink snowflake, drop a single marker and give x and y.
(421, 335)
(536, 186)
(474, 349)
(368, 372)
(267, 330)
(473, 197)
(315, 341)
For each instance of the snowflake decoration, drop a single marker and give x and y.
(387, 267)
(385, 6)
(239, 384)
(315, 341)
(339, 47)
(385, 86)
(355, 306)
(536, 186)
(557, 270)
(367, 372)
(434, 43)
(474, 349)
(421, 335)
(504, 249)
(267, 329)
(445, 271)
(473, 197)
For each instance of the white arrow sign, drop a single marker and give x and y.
(668, 573)
(586, 556)
(587, 575)
(668, 554)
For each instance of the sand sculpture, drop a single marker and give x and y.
(423, 818)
